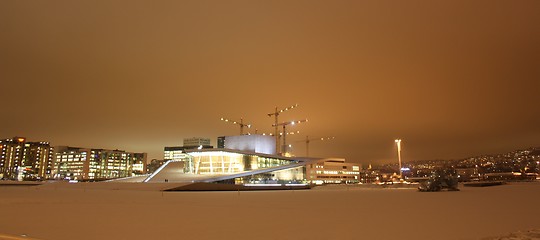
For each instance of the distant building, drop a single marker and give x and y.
(154, 165)
(333, 171)
(196, 142)
(221, 142)
(178, 152)
(174, 153)
(467, 174)
(22, 160)
(94, 164)
(252, 143)
(510, 176)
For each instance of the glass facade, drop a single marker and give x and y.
(296, 175)
(222, 162)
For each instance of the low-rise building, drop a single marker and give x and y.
(333, 171)
(96, 164)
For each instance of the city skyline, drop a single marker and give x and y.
(452, 80)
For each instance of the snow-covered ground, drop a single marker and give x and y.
(533, 234)
(116, 211)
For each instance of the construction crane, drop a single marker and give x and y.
(288, 133)
(240, 123)
(308, 140)
(284, 133)
(276, 115)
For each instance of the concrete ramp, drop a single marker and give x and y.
(130, 179)
(133, 186)
(202, 186)
(167, 172)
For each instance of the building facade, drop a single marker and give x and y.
(333, 171)
(75, 163)
(196, 142)
(22, 160)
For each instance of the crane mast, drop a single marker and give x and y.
(308, 140)
(284, 133)
(276, 124)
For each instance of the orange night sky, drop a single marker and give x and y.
(452, 79)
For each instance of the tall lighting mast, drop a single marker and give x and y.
(398, 143)
(275, 125)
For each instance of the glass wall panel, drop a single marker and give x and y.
(220, 162)
(286, 176)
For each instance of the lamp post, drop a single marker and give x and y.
(398, 143)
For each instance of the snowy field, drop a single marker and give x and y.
(101, 211)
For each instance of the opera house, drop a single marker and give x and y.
(245, 162)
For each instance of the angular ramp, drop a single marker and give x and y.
(202, 186)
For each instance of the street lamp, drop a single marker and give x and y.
(398, 143)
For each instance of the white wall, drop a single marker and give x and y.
(254, 143)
